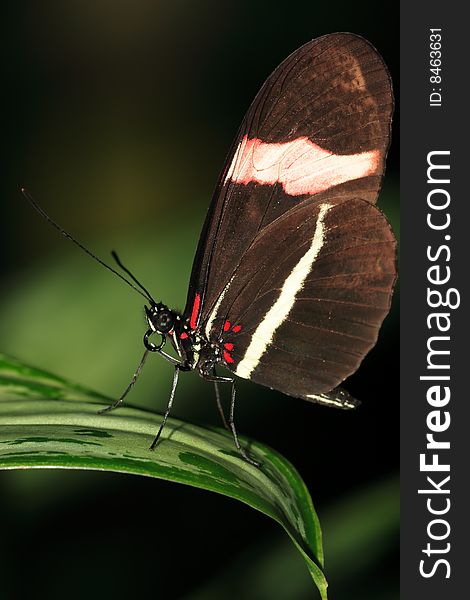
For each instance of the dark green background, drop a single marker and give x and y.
(118, 116)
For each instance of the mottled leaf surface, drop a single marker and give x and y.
(48, 422)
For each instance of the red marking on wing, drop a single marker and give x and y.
(236, 329)
(195, 311)
(227, 357)
(183, 336)
(228, 346)
(226, 325)
(300, 166)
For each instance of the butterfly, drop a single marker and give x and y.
(295, 266)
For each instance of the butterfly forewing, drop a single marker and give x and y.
(295, 266)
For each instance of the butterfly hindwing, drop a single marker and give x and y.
(301, 319)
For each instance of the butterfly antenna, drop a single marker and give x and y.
(134, 279)
(43, 214)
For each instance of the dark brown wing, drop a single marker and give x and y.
(319, 125)
(300, 320)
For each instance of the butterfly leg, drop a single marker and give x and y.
(120, 400)
(217, 379)
(219, 403)
(168, 408)
(234, 431)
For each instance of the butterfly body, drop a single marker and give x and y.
(195, 352)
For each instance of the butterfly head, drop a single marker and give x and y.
(160, 318)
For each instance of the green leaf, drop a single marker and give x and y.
(46, 421)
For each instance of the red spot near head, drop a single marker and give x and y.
(228, 346)
(226, 325)
(184, 335)
(227, 357)
(195, 311)
(236, 329)
(171, 332)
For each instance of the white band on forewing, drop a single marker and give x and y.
(300, 166)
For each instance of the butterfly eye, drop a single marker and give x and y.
(164, 322)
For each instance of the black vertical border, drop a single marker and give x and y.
(424, 129)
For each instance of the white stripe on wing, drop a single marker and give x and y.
(276, 315)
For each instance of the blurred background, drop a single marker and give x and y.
(118, 117)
